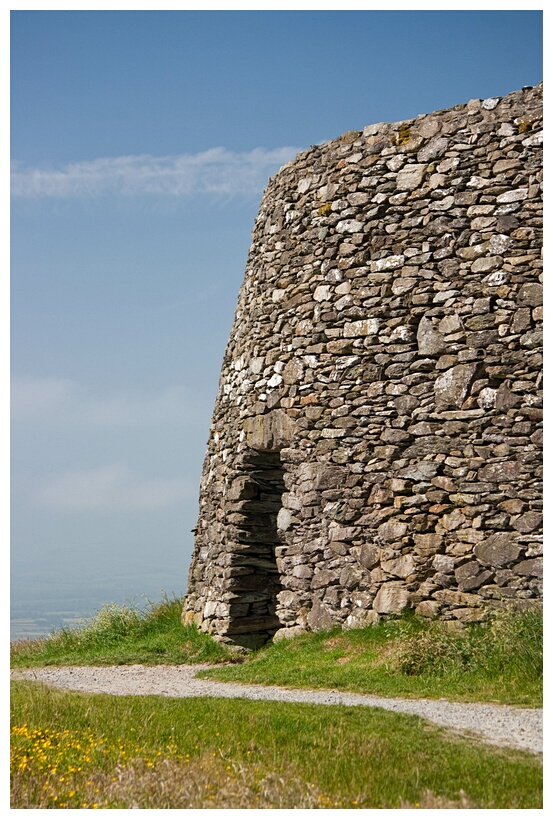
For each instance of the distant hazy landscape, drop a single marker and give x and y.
(42, 602)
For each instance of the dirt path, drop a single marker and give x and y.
(504, 725)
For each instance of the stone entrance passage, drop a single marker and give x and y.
(255, 581)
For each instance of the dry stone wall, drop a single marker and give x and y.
(376, 439)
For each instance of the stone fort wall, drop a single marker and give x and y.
(376, 439)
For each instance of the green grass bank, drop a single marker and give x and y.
(75, 750)
(498, 661)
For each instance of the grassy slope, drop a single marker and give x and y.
(498, 662)
(501, 661)
(75, 750)
(122, 635)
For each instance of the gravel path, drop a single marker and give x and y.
(504, 725)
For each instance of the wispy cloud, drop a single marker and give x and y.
(51, 401)
(218, 172)
(113, 487)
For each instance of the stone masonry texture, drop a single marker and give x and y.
(376, 439)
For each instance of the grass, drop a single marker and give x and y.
(123, 635)
(74, 750)
(500, 661)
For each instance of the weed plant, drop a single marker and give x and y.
(75, 750)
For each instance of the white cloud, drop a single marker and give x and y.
(113, 487)
(51, 401)
(217, 171)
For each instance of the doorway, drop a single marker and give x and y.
(255, 579)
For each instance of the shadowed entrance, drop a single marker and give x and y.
(255, 581)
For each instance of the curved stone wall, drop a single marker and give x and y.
(376, 438)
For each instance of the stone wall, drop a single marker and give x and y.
(376, 438)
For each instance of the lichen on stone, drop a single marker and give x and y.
(325, 209)
(524, 126)
(402, 136)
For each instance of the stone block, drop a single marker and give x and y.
(391, 599)
(303, 571)
(469, 615)
(288, 599)
(428, 544)
(452, 386)
(420, 471)
(530, 568)
(430, 340)
(320, 618)
(471, 576)
(322, 578)
(272, 431)
(321, 475)
(443, 563)
(499, 549)
(392, 530)
(531, 294)
(528, 522)
(363, 327)
(410, 176)
(502, 472)
(361, 618)
(428, 608)
(368, 555)
(400, 566)
(457, 598)
(288, 633)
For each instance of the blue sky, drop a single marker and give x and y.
(141, 143)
